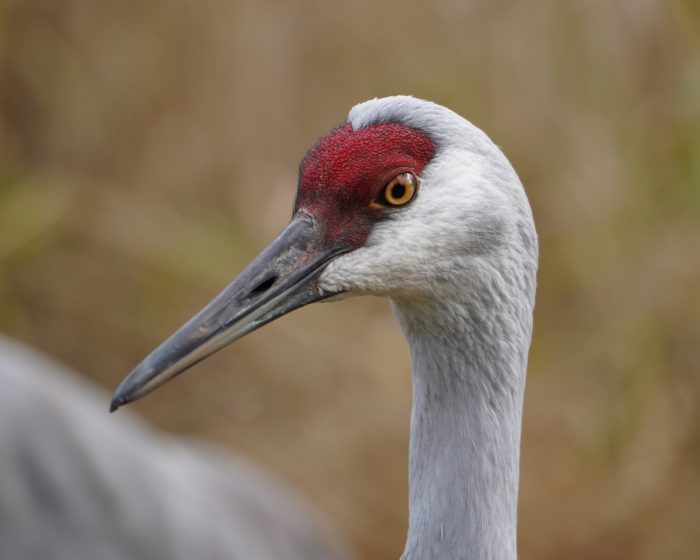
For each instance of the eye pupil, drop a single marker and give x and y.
(398, 191)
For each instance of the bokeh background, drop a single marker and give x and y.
(148, 150)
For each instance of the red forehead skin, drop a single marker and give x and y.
(344, 173)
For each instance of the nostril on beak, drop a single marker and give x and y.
(263, 286)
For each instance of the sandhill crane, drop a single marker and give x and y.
(410, 201)
(76, 485)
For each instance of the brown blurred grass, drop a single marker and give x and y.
(149, 149)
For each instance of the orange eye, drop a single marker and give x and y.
(399, 191)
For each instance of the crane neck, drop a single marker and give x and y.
(469, 366)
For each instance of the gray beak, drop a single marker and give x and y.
(282, 278)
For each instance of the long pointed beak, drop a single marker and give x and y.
(282, 278)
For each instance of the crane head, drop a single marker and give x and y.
(393, 203)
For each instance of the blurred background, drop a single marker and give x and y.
(148, 150)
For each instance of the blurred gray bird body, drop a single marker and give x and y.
(78, 484)
(455, 250)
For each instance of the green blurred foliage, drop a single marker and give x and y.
(149, 149)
